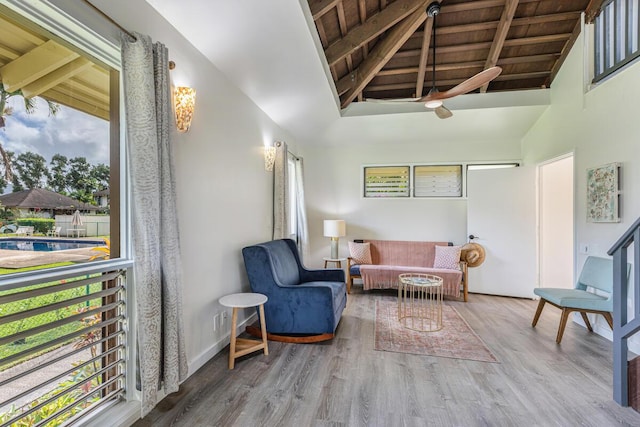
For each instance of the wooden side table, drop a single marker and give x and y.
(241, 346)
(337, 262)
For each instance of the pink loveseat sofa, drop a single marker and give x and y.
(390, 258)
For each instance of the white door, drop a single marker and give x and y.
(501, 213)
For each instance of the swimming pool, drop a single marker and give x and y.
(47, 245)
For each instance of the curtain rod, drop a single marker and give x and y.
(110, 19)
(172, 64)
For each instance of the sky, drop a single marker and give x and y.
(70, 132)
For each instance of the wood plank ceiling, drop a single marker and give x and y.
(38, 66)
(382, 49)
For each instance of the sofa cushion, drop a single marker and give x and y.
(354, 270)
(447, 257)
(360, 252)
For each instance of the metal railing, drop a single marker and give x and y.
(623, 328)
(62, 345)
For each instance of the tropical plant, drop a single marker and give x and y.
(6, 111)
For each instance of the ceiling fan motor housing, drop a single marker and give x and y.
(433, 9)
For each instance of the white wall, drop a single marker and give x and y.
(601, 125)
(334, 189)
(224, 193)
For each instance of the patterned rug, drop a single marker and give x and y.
(456, 339)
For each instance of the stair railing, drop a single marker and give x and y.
(623, 328)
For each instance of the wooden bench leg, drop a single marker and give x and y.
(586, 321)
(538, 311)
(609, 319)
(563, 323)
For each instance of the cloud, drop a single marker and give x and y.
(70, 132)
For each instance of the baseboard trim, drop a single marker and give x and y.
(601, 328)
(123, 414)
(200, 360)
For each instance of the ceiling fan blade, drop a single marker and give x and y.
(443, 112)
(466, 86)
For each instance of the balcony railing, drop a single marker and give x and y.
(62, 344)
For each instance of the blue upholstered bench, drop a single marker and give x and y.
(597, 273)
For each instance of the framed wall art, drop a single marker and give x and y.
(603, 193)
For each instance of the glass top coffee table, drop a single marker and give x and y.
(420, 302)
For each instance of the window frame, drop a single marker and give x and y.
(465, 166)
(617, 48)
(62, 25)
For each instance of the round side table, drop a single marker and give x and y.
(420, 302)
(337, 262)
(241, 346)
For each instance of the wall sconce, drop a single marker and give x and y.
(185, 100)
(269, 157)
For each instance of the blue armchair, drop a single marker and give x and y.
(304, 305)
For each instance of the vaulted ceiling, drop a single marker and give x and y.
(383, 49)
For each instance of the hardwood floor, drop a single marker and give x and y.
(344, 382)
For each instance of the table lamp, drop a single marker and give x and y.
(334, 228)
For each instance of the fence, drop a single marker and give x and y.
(92, 225)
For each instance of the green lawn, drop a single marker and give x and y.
(44, 318)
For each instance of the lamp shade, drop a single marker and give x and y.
(334, 228)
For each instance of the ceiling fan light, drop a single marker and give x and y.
(434, 103)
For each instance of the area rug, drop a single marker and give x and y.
(456, 339)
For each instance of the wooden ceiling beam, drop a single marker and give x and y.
(362, 13)
(424, 54)
(475, 5)
(500, 37)
(55, 77)
(320, 7)
(550, 38)
(516, 22)
(521, 76)
(373, 27)
(382, 53)
(455, 82)
(36, 63)
(471, 64)
(592, 10)
(342, 23)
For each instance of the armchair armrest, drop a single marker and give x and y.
(325, 275)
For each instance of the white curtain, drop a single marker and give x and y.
(156, 241)
(303, 232)
(281, 224)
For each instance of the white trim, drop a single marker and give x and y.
(200, 360)
(59, 23)
(122, 414)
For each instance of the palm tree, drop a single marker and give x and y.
(6, 111)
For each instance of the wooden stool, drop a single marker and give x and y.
(241, 346)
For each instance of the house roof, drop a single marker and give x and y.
(43, 199)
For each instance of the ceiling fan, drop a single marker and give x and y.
(434, 98)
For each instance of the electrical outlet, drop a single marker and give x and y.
(216, 322)
(223, 319)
